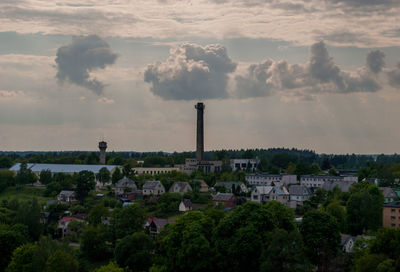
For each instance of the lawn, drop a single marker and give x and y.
(23, 193)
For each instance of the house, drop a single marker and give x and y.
(66, 196)
(154, 187)
(155, 225)
(391, 215)
(131, 196)
(271, 180)
(203, 186)
(226, 199)
(244, 164)
(299, 193)
(180, 187)
(347, 242)
(267, 193)
(125, 185)
(389, 194)
(63, 224)
(240, 187)
(185, 205)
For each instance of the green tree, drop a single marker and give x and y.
(321, 235)
(7, 178)
(364, 208)
(128, 220)
(116, 176)
(284, 253)
(104, 175)
(9, 240)
(111, 267)
(96, 213)
(339, 212)
(29, 215)
(45, 177)
(22, 259)
(84, 184)
(94, 244)
(168, 203)
(25, 175)
(135, 251)
(61, 261)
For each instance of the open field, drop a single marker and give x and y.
(23, 193)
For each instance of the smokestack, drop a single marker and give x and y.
(102, 147)
(200, 131)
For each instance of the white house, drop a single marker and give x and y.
(66, 196)
(269, 193)
(185, 205)
(299, 193)
(125, 185)
(180, 187)
(154, 187)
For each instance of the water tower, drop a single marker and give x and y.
(102, 147)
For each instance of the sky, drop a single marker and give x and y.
(310, 74)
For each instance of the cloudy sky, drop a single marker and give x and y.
(311, 74)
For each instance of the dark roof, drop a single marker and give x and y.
(299, 190)
(151, 184)
(125, 182)
(223, 197)
(187, 203)
(394, 204)
(388, 192)
(67, 193)
(160, 222)
(181, 186)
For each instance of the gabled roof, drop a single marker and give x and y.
(264, 190)
(67, 219)
(388, 192)
(63, 168)
(187, 203)
(280, 190)
(151, 185)
(125, 182)
(67, 193)
(395, 204)
(159, 222)
(223, 196)
(179, 187)
(300, 190)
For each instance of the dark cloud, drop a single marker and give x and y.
(83, 55)
(394, 76)
(376, 61)
(319, 75)
(364, 2)
(191, 72)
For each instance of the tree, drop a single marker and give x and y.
(284, 253)
(61, 261)
(45, 177)
(364, 208)
(339, 212)
(9, 240)
(168, 203)
(321, 235)
(116, 176)
(104, 175)
(25, 175)
(128, 220)
(111, 267)
(96, 213)
(127, 170)
(94, 244)
(22, 259)
(7, 178)
(84, 183)
(29, 215)
(135, 251)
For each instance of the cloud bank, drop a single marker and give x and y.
(83, 55)
(191, 72)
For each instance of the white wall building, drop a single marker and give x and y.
(328, 182)
(268, 180)
(154, 170)
(244, 164)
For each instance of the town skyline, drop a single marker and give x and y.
(131, 72)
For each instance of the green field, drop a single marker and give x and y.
(23, 193)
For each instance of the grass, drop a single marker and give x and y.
(23, 193)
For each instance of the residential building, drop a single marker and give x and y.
(268, 193)
(155, 225)
(180, 187)
(391, 215)
(63, 225)
(125, 185)
(185, 205)
(153, 187)
(328, 182)
(240, 187)
(299, 193)
(154, 170)
(389, 194)
(203, 187)
(226, 199)
(244, 164)
(66, 196)
(271, 180)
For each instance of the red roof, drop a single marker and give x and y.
(67, 219)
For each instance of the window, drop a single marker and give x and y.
(393, 210)
(393, 217)
(393, 225)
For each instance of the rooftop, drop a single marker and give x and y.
(63, 168)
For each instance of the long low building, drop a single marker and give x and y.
(328, 182)
(36, 168)
(154, 170)
(268, 179)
